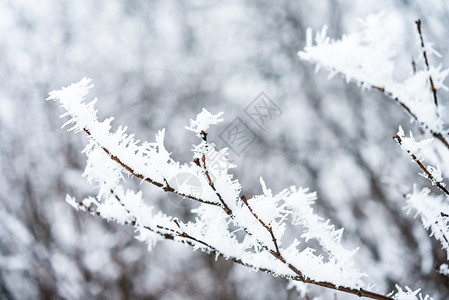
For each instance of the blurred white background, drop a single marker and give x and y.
(155, 64)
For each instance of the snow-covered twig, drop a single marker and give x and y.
(177, 236)
(434, 175)
(166, 187)
(268, 228)
(432, 210)
(366, 58)
(426, 61)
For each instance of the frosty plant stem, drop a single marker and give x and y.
(426, 61)
(166, 188)
(262, 218)
(184, 238)
(427, 173)
(364, 59)
(368, 58)
(436, 134)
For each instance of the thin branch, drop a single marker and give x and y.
(95, 212)
(211, 183)
(268, 228)
(184, 238)
(436, 222)
(229, 212)
(436, 134)
(423, 48)
(429, 175)
(166, 187)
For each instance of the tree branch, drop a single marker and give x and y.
(212, 185)
(439, 184)
(435, 134)
(268, 228)
(423, 48)
(185, 238)
(166, 187)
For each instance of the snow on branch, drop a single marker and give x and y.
(409, 294)
(221, 208)
(367, 58)
(426, 60)
(203, 121)
(434, 213)
(149, 162)
(412, 147)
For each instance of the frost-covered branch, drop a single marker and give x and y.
(366, 58)
(221, 209)
(171, 234)
(432, 173)
(268, 228)
(166, 188)
(433, 212)
(426, 61)
(209, 179)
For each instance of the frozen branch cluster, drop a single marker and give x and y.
(367, 58)
(249, 231)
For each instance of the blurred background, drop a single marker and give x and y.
(155, 64)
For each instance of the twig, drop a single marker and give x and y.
(413, 66)
(97, 213)
(432, 86)
(423, 168)
(212, 185)
(268, 228)
(184, 238)
(166, 188)
(436, 222)
(437, 135)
